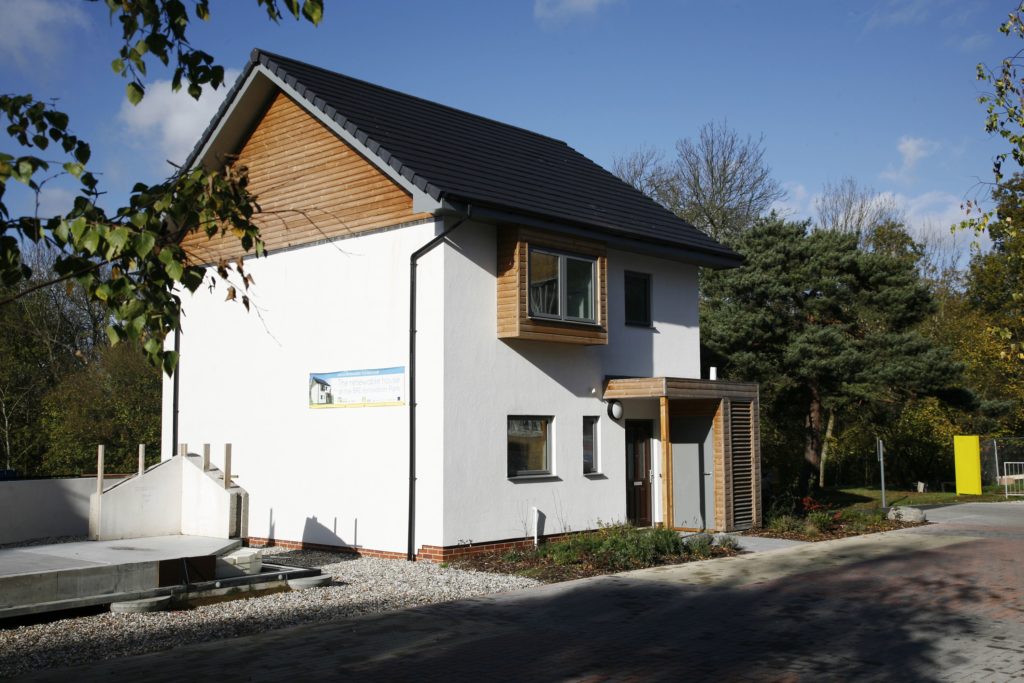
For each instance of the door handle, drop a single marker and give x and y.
(638, 483)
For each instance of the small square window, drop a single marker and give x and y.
(590, 445)
(529, 445)
(638, 299)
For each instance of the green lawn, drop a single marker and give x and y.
(866, 499)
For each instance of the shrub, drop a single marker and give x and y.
(727, 542)
(615, 547)
(820, 521)
(699, 546)
(783, 524)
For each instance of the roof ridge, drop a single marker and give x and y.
(273, 56)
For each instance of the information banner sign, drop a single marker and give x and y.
(371, 387)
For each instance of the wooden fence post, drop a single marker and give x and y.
(227, 465)
(142, 459)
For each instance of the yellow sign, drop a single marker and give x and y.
(967, 458)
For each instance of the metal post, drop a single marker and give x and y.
(881, 463)
(206, 457)
(1006, 490)
(227, 465)
(142, 459)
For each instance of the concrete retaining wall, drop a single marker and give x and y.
(174, 497)
(41, 508)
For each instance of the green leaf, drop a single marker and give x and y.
(135, 92)
(90, 240)
(144, 243)
(74, 168)
(117, 65)
(78, 227)
(174, 270)
(113, 335)
(170, 361)
(102, 292)
(313, 10)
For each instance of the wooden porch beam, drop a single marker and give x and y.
(666, 465)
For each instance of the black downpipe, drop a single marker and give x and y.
(410, 554)
(174, 399)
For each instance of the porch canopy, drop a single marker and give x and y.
(732, 501)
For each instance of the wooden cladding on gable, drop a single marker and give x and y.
(310, 186)
(514, 319)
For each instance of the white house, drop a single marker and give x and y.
(551, 383)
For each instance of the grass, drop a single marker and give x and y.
(612, 548)
(867, 499)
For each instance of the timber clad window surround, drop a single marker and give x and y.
(529, 445)
(638, 299)
(590, 445)
(551, 287)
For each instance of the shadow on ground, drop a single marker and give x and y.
(910, 616)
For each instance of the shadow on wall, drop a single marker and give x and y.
(316, 532)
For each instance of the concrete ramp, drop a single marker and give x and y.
(70, 575)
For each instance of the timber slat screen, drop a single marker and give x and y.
(742, 465)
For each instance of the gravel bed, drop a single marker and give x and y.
(361, 586)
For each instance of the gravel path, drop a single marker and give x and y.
(361, 586)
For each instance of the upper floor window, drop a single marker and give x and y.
(638, 299)
(562, 286)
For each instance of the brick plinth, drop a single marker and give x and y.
(428, 553)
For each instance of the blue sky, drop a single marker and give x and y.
(882, 91)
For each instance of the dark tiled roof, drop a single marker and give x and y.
(454, 155)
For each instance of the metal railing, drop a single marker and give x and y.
(1013, 478)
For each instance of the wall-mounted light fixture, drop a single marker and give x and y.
(615, 410)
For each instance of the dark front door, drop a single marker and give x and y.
(638, 471)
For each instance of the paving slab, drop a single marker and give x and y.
(761, 544)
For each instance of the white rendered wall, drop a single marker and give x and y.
(336, 476)
(486, 379)
(141, 506)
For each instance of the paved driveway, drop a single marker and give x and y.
(939, 603)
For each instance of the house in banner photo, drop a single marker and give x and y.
(464, 334)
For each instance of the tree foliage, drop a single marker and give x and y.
(719, 181)
(130, 259)
(825, 325)
(114, 400)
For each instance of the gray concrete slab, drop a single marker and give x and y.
(67, 575)
(65, 556)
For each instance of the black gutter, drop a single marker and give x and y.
(174, 400)
(410, 554)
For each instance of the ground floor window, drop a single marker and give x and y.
(529, 445)
(590, 445)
